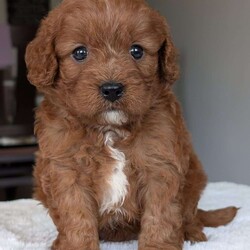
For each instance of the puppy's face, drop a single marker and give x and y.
(105, 60)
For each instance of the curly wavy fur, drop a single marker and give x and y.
(122, 170)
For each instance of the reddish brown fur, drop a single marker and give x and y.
(164, 174)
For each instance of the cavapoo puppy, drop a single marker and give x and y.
(115, 160)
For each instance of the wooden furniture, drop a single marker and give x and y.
(17, 104)
(16, 169)
(17, 156)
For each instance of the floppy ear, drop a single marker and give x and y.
(40, 55)
(168, 66)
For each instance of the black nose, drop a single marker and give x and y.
(112, 91)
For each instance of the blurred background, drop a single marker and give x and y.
(213, 39)
(19, 20)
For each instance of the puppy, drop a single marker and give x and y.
(115, 160)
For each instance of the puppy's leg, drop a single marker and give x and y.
(72, 209)
(161, 224)
(120, 233)
(195, 183)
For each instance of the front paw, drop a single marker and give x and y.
(150, 248)
(159, 246)
(62, 243)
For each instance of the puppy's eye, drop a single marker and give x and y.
(136, 51)
(80, 53)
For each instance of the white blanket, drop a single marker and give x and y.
(25, 224)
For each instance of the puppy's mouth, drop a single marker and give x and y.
(114, 117)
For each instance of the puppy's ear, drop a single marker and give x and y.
(40, 55)
(168, 66)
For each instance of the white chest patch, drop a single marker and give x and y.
(114, 117)
(117, 190)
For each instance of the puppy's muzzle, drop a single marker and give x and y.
(112, 91)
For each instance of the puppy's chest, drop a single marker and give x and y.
(115, 186)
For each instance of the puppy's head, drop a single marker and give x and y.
(104, 60)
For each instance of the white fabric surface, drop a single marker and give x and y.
(25, 225)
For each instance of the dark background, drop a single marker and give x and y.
(17, 102)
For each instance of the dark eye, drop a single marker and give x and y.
(80, 53)
(136, 51)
